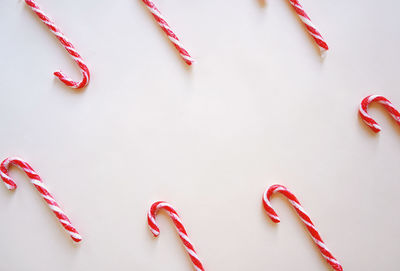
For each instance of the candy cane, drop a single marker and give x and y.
(385, 102)
(67, 45)
(171, 35)
(323, 47)
(44, 192)
(304, 217)
(151, 219)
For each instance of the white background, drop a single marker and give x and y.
(258, 107)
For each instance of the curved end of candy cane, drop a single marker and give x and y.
(151, 219)
(267, 205)
(362, 110)
(153, 227)
(8, 181)
(70, 83)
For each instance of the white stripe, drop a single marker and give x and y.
(57, 209)
(39, 183)
(298, 207)
(3, 175)
(332, 260)
(155, 232)
(184, 236)
(372, 98)
(318, 37)
(279, 189)
(329, 259)
(308, 224)
(152, 219)
(363, 112)
(193, 254)
(387, 103)
(166, 26)
(176, 217)
(320, 244)
(274, 216)
(307, 21)
(27, 170)
(188, 58)
(74, 234)
(157, 13)
(51, 25)
(72, 49)
(48, 197)
(164, 204)
(63, 221)
(375, 125)
(175, 41)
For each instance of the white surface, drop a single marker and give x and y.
(258, 107)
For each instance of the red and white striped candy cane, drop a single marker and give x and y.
(323, 47)
(151, 219)
(171, 35)
(67, 45)
(44, 192)
(304, 217)
(385, 102)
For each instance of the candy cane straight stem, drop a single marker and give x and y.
(382, 100)
(303, 216)
(171, 35)
(323, 47)
(44, 192)
(67, 45)
(151, 219)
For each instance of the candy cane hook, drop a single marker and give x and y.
(304, 217)
(151, 219)
(311, 28)
(367, 118)
(168, 31)
(67, 45)
(44, 192)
